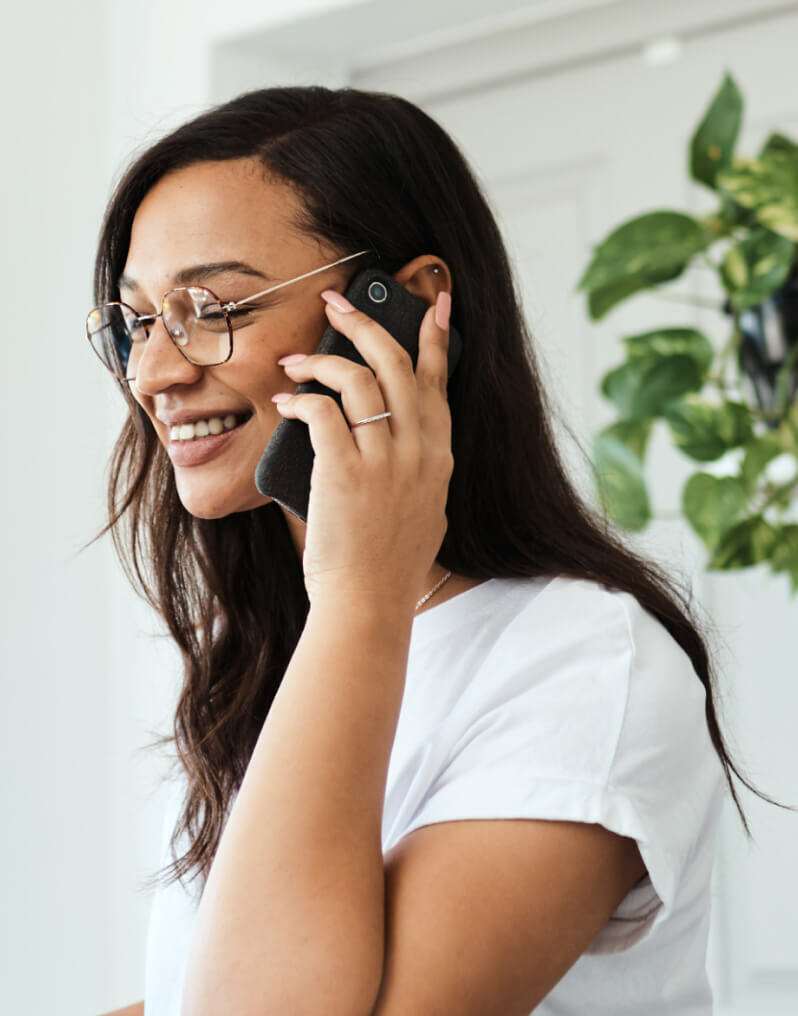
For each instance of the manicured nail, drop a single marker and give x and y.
(443, 308)
(336, 300)
(281, 397)
(293, 358)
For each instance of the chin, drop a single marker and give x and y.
(211, 506)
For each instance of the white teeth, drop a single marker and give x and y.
(202, 428)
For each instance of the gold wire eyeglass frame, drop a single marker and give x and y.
(226, 308)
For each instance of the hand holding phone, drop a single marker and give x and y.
(283, 472)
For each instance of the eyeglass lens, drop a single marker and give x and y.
(191, 315)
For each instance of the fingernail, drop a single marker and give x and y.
(443, 308)
(281, 397)
(336, 300)
(293, 358)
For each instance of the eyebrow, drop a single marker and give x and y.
(196, 273)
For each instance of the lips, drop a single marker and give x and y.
(191, 416)
(204, 427)
(202, 449)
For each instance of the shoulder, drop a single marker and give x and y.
(566, 687)
(581, 627)
(601, 653)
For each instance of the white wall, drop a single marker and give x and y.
(53, 851)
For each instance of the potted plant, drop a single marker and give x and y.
(739, 402)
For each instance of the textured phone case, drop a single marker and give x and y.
(283, 472)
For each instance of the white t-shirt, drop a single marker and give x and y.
(548, 698)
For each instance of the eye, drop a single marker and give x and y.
(240, 317)
(213, 313)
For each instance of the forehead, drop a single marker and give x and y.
(210, 212)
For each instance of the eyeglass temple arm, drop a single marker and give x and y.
(237, 303)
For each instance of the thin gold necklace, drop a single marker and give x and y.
(434, 589)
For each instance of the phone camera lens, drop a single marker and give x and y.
(378, 292)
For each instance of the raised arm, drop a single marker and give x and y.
(292, 917)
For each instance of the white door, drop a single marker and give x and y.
(572, 132)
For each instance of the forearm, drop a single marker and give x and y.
(292, 917)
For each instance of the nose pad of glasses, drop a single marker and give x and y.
(175, 329)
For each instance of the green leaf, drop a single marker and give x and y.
(754, 268)
(747, 543)
(785, 553)
(785, 380)
(633, 433)
(706, 432)
(728, 216)
(649, 250)
(621, 486)
(712, 504)
(788, 430)
(769, 186)
(778, 143)
(758, 452)
(643, 388)
(669, 342)
(712, 145)
(600, 301)
(779, 497)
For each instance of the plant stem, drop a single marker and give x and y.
(693, 301)
(727, 349)
(777, 492)
(727, 391)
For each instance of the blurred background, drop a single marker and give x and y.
(576, 115)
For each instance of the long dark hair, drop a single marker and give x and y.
(373, 171)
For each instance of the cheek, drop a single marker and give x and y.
(253, 369)
(298, 333)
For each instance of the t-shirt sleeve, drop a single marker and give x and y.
(586, 709)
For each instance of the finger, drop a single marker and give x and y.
(432, 368)
(329, 432)
(360, 392)
(390, 362)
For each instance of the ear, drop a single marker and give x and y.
(425, 277)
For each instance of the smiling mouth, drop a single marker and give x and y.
(210, 427)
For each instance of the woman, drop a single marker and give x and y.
(451, 636)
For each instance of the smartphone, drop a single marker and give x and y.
(283, 472)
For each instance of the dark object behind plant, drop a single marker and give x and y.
(769, 335)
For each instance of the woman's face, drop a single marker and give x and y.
(189, 229)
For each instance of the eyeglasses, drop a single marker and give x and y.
(196, 320)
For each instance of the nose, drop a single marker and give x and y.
(161, 364)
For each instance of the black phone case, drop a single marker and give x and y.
(283, 472)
